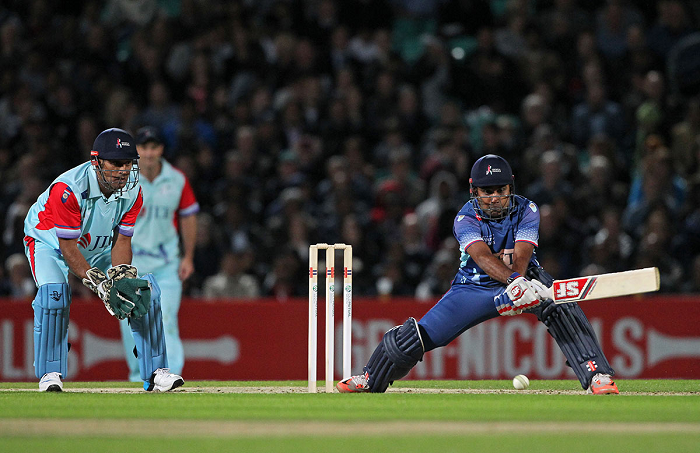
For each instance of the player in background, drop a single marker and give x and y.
(83, 224)
(498, 274)
(168, 216)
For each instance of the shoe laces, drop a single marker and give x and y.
(602, 379)
(360, 380)
(162, 371)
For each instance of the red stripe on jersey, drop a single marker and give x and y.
(187, 197)
(61, 208)
(129, 218)
(30, 245)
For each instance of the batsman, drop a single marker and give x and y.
(83, 224)
(498, 275)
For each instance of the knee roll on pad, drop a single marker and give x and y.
(398, 352)
(149, 336)
(51, 310)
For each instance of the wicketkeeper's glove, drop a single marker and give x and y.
(101, 284)
(134, 292)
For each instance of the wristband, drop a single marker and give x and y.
(512, 277)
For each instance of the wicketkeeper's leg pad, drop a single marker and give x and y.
(149, 336)
(51, 310)
(397, 353)
(573, 333)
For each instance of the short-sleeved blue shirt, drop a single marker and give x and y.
(500, 235)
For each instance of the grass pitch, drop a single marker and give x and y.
(425, 416)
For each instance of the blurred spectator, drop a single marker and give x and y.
(673, 23)
(599, 191)
(285, 278)
(685, 137)
(551, 183)
(444, 191)
(610, 248)
(208, 250)
(19, 277)
(559, 242)
(692, 283)
(657, 185)
(231, 281)
(613, 22)
(654, 250)
(596, 115)
(438, 277)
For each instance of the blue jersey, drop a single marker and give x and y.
(500, 235)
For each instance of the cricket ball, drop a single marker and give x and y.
(521, 382)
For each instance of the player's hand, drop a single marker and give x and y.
(134, 294)
(122, 271)
(543, 293)
(518, 296)
(98, 283)
(102, 284)
(186, 269)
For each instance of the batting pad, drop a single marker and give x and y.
(51, 310)
(149, 336)
(568, 325)
(398, 352)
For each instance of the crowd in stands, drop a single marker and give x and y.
(358, 121)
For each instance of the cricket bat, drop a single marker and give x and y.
(606, 285)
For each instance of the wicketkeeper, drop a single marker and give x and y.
(83, 224)
(498, 275)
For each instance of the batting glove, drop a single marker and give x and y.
(543, 293)
(518, 296)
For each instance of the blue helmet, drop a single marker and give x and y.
(491, 171)
(115, 144)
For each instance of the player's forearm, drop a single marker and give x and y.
(494, 267)
(75, 260)
(188, 230)
(121, 251)
(521, 256)
(520, 264)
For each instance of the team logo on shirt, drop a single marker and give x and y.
(66, 194)
(84, 241)
(459, 218)
(533, 207)
(100, 242)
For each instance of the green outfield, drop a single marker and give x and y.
(414, 416)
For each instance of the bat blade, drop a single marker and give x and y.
(606, 285)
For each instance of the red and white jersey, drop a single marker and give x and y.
(73, 207)
(165, 199)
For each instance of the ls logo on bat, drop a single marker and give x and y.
(574, 289)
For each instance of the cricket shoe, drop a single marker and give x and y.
(602, 384)
(162, 380)
(354, 384)
(51, 382)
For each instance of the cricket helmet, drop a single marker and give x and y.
(115, 145)
(491, 171)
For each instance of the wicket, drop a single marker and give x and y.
(330, 311)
